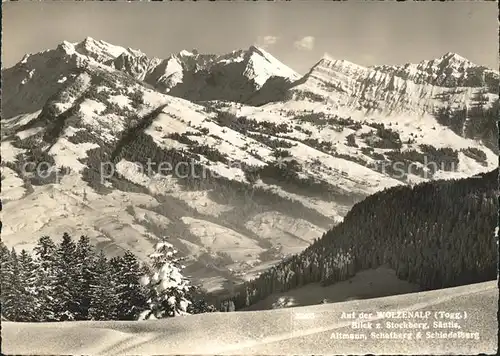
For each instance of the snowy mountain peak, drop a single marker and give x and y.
(262, 65)
(100, 50)
(192, 56)
(89, 41)
(332, 67)
(186, 53)
(66, 47)
(258, 50)
(453, 57)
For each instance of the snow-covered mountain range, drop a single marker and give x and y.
(287, 155)
(417, 88)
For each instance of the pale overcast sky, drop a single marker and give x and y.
(297, 33)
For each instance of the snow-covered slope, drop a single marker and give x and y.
(279, 174)
(304, 330)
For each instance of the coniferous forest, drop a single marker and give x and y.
(73, 281)
(437, 234)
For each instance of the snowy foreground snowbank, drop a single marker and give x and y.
(301, 330)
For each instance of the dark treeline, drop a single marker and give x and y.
(438, 234)
(73, 281)
(69, 281)
(477, 122)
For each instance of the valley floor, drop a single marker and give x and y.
(306, 330)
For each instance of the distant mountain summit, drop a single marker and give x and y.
(426, 87)
(450, 70)
(188, 74)
(99, 50)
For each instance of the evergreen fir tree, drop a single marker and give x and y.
(131, 294)
(65, 304)
(104, 300)
(27, 274)
(168, 289)
(224, 306)
(4, 253)
(45, 252)
(85, 261)
(199, 304)
(6, 267)
(16, 306)
(6, 272)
